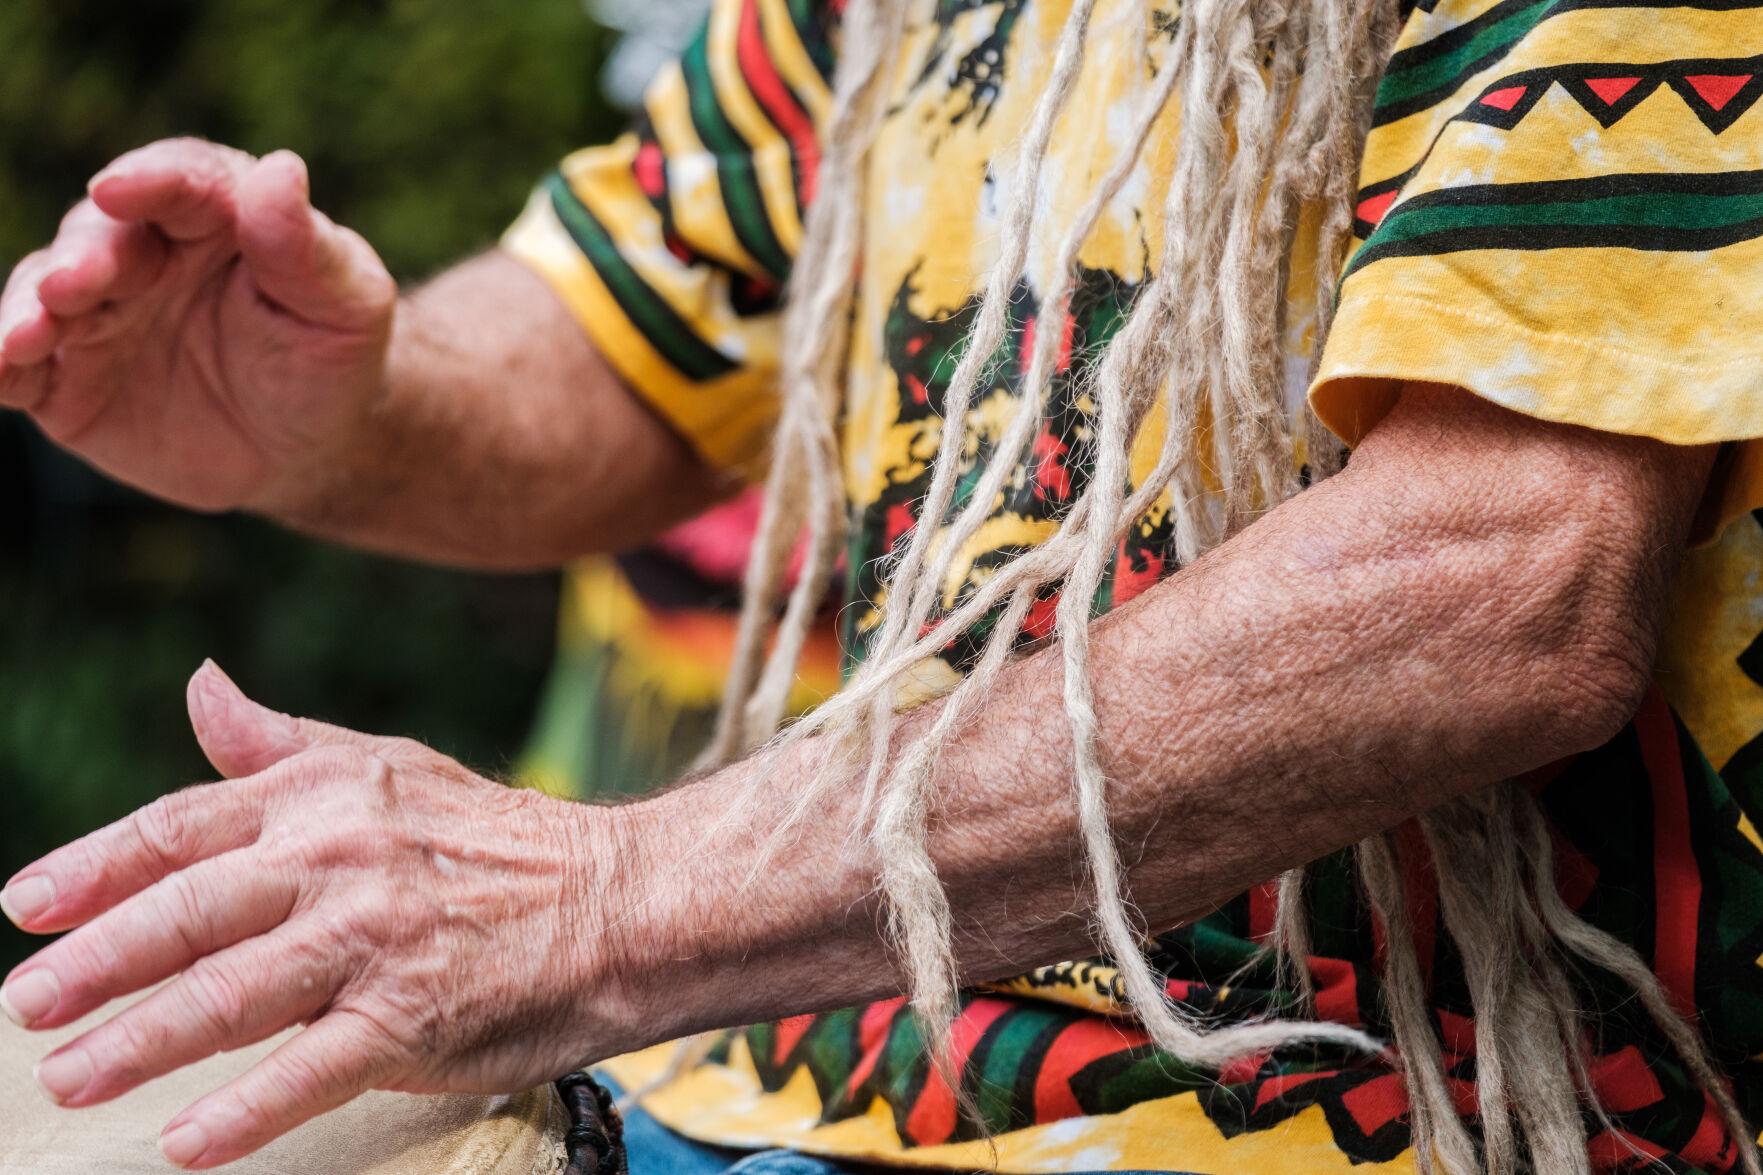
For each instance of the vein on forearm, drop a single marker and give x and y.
(1472, 598)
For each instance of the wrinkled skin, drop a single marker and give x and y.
(197, 329)
(404, 909)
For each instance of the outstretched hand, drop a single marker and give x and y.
(432, 930)
(197, 328)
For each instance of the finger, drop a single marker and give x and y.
(299, 258)
(225, 1001)
(185, 187)
(96, 259)
(327, 1065)
(80, 881)
(152, 936)
(241, 737)
(24, 388)
(28, 333)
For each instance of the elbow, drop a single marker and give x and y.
(1569, 627)
(1537, 562)
(1598, 685)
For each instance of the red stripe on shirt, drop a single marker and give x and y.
(775, 97)
(932, 1119)
(1677, 885)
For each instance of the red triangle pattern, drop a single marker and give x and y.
(1504, 99)
(1717, 89)
(1371, 209)
(1611, 90)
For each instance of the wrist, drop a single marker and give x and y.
(321, 482)
(723, 923)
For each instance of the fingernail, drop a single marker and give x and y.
(185, 1144)
(26, 897)
(27, 998)
(110, 173)
(64, 1075)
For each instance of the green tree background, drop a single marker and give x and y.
(424, 122)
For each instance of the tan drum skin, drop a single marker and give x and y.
(379, 1133)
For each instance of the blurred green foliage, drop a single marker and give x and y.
(425, 122)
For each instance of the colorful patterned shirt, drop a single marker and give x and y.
(1561, 210)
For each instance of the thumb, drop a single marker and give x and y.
(300, 259)
(241, 737)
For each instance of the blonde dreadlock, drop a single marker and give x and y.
(1275, 98)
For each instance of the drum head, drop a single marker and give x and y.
(379, 1133)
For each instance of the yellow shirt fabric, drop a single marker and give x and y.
(1561, 210)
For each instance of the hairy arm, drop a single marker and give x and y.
(500, 439)
(198, 329)
(1478, 594)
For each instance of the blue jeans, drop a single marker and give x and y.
(653, 1149)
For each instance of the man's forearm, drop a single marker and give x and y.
(501, 439)
(1403, 633)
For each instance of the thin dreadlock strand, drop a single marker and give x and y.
(1129, 368)
(1203, 156)
(1552, 1110)
(909, 596)
(760, 586)
(1526, 1019)
(1488, 969)
(922, 922)
(826, 535)
(1561, 998)
(821, 292)
(1256, 243)
(1328, 116)
(1603, 950)
(899, 830)
(1333, 168)
(1005, 461)
(1290, 939)
(1423, 1067)
(813, 383)
(822, 315)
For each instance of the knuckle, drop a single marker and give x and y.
(376, 906)
(404, 749)
(80, 215)
(298, 1078)
(200, 155)
(354, 841)
(311, 959)
(122, 1047)
(335, 764)
(26, 272)
(385, 1029)
(218, 1000)
(88, 958)
(161, 830)
(185, 912)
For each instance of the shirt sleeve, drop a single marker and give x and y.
(672, 244)
(1562, 211)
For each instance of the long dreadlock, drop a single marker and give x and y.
(1274, 98)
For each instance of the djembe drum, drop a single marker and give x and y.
(567, 1128)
